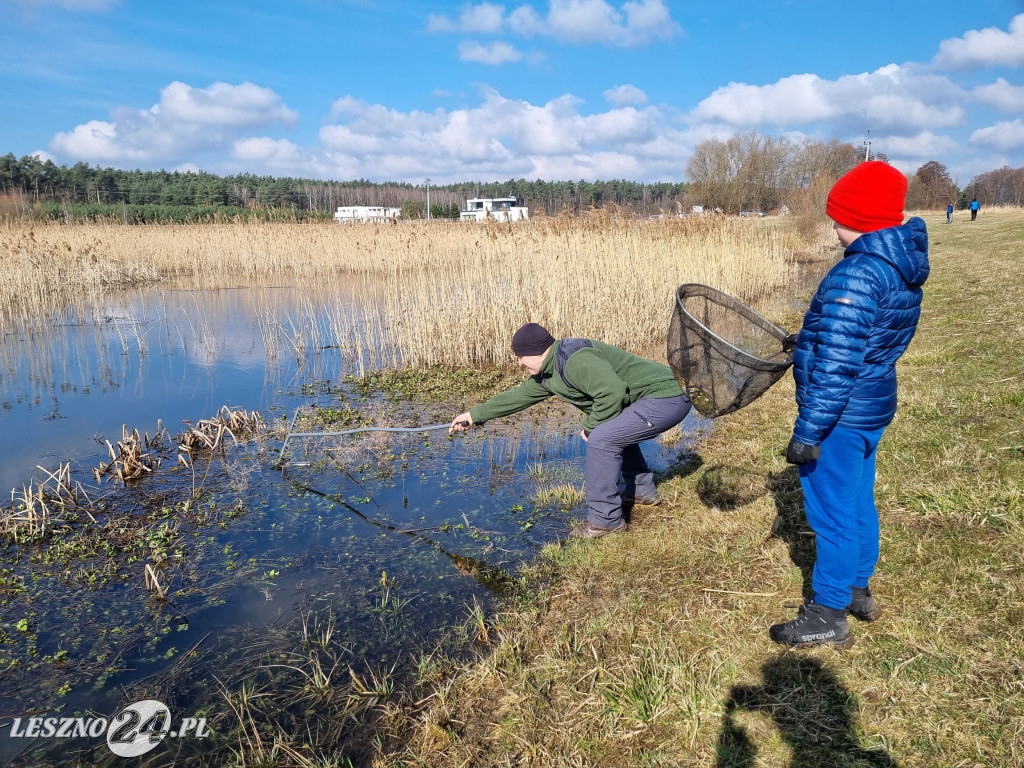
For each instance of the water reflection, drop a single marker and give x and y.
(387, 555)
(170, 355)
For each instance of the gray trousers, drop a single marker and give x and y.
(613, 449)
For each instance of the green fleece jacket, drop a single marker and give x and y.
(605, 379)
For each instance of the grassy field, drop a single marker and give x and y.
(651, 648)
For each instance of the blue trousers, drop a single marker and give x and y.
(613, 449)
(839, 500)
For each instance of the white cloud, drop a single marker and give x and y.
(485, 18)
(1001, 137)
(925, 144)
(891, 97)
(43, 156)
(261, 148)
(495, 54)
(98, 142)
(797, 98)
(224, 104)
(625, 95)
(1001, 95)
(185, 120)
(633, 23)
(989, 47)
(502, 137)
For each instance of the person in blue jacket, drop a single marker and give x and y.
(949, 213)
(860, 321)
(975, 207)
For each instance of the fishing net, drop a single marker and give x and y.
(724, 353)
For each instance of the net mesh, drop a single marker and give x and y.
(724, 353)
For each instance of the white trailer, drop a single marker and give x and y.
(365, 214)
(498, 208)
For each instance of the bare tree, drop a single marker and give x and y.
(931, 187)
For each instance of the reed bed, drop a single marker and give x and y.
(423, 293)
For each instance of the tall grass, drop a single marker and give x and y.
(428, 293)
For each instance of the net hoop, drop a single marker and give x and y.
(720, 376)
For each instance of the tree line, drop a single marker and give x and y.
(84, 191)
(764, 173)
(746, 172)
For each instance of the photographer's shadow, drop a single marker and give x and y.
(812, 711)
(791, 523)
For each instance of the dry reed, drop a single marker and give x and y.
(132, 458)
(209, 434)
(30, 512)
(424, 293)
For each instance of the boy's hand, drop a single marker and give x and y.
(801, 453)
(461, 423)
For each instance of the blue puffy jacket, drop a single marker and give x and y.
(861, 320)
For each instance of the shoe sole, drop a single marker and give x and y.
(867, 616)
(841, 645)
(598, 535)
(634, 503)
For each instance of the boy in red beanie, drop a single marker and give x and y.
(860, 321)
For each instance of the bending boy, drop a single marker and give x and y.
(627, 400)
(860, 322)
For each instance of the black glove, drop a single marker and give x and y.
(789, 343)
(801, 453)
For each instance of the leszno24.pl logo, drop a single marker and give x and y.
(133, 731)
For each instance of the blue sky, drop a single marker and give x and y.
(484, 91)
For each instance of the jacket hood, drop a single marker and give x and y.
(905, 247)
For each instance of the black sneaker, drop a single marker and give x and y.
(814, 625)
(863, 606)
(587, 530)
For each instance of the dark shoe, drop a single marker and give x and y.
(863, 606)
(642, 501)
(814, 625)
(587, 530)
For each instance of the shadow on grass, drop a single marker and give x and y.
(726, 487)
(686, 466)
(791, 523)
(814, 714)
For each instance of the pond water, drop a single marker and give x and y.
(356, 554)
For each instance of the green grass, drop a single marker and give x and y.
(651, 649)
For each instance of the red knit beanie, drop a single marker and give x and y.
(869, 197)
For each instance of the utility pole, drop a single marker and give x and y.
(867, 147)
(428, 199)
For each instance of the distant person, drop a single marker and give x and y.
(627, 400)
(860, 321)
(949, 213)
(975, 207)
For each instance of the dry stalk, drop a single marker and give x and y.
(209, 434)
(30, 513)
(129, 462)
(153, 584)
